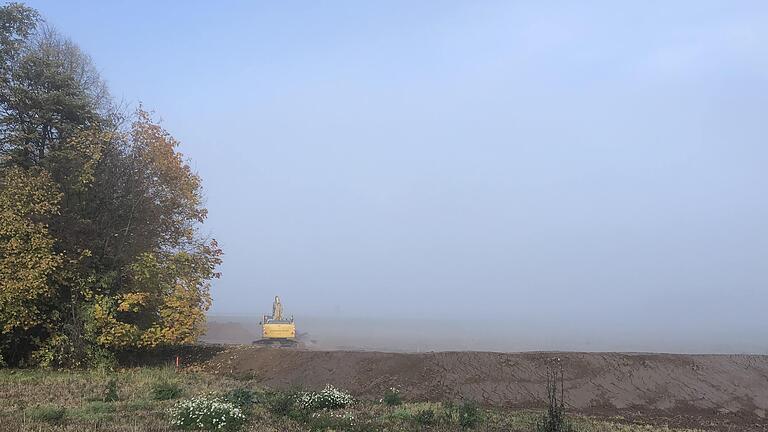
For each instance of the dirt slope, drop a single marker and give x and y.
(594, 382)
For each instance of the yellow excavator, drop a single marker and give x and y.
(277, 330)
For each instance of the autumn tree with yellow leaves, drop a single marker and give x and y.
(100, 244)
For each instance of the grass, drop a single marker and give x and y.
(166, 390)
(94, 412)
(47, 413)
(47, 401)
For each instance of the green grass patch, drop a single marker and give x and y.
(166, 390)
(94, 412)
(47, 413)
(139, 405)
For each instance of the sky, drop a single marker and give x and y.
(587, 166)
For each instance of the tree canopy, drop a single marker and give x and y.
(100, 242)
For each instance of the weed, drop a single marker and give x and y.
(554, 420)
(110, 391)
(325, 420)
(402, 415)
(241, 397)
(469, 415)
(330, 397)
(425, 417)
(392, 397)
(208, 413)
(166, 390)
(95, 411)
(139, 405)
(282, 403)
(47, 413)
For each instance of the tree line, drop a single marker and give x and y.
(100, 241)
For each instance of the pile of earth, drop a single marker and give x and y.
(646, 385)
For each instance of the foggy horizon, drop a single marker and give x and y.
(591, 176)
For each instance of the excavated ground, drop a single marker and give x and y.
(726, 392)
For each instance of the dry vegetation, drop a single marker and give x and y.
(139, 399)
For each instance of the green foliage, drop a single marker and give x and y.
(28, 199)
(331, 421)
(110, 391)
(241, 397)
(47, 413)
(392, 397)
(282, 403)
(402, 415)
(469, 415)
(100, 249)
(140, 405)
(94, 411)
(166, 390)
(17, 22)
(425, 417)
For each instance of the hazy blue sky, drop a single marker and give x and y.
(604, 161)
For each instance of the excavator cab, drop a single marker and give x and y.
(277, 330)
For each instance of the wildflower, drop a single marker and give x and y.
(207, 412)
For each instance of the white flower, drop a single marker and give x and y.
(206, 412)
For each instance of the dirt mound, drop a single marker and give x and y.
(594, 382)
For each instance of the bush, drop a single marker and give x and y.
(207, 413)
(48, 414)
(425, 417)
(241, 397)
(282, 403)
(392, 397)
(469, 415)
(166, 390)
(328, 398)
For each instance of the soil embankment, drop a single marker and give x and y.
(611, 383)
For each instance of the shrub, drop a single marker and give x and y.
(282, 403)
(425, 417)
(469, 415)
(241, 397)
(166, 390)
(328, 398)
(392, 397)
(48, 414)
(110, 391)
(207, 413)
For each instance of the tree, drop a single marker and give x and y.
(17, 23)
(28, 199)
(100, 247)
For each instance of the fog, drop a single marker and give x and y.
(488, 334)
(473, 175)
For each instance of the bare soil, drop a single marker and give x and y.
(724, 392)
